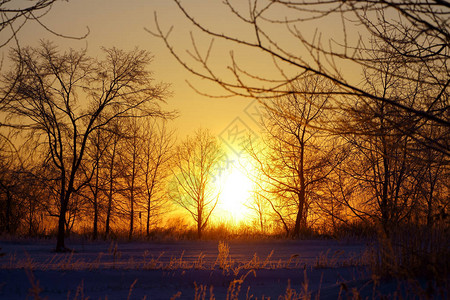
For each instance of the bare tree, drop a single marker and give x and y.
(137, 171)
(10, 177)
(260, 207)
(385, 158)
(296, 157)
(111, 169)
(295, 38)
(93, 169)
(130, 157)
(61, 97)
(432, 177)
(158, 143)
(192, 187)
(15, 14)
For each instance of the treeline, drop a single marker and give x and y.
(88, 131)
(355, 98)
(331, 169)
(85, 143)
(88, 143)
(120, 184)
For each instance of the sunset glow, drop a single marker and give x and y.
(229, 149)
(237, 189)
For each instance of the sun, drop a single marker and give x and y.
(236, 193)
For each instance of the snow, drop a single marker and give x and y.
(160, 270)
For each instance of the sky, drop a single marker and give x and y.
(126, 25)
(123, 24)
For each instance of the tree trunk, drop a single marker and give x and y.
(30, 217)
(261, 221)
(298, 219)
(148, 215)
(384, 198)
(199, 223)
(95, 225)
(64, 199)
(430, 197)
(130, 233)
(108, 213)
(110, 194)
(149, 202)
(95, 202)
(8, 211)
(60, 244)
(199, 231)
(301, 193)
(133, 178)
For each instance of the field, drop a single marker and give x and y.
(325, 269)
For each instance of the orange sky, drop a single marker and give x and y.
(121, 24)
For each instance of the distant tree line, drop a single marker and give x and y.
(86, 147)
(362, 170)
(76, 117)
(85, 144)
(356, 118)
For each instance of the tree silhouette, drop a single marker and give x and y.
(196, 160)
(155, 166)
(15, 14)
(296, 157)
(61, 96)
(292, 37)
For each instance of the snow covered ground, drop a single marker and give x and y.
(182, 269)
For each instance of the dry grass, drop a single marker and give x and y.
(112, 259)
(235, 291)
(417, 257)
(411, 252)
(340, 258)
(244, 270)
